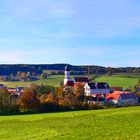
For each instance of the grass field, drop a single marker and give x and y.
(123, 80)
(108, 124)
(52, 80)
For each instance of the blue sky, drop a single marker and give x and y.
(98, 32)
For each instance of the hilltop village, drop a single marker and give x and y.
(100, 91)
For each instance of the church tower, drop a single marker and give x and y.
(67, 75)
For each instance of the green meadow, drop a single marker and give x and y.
(121, 80)
(107, 124)
(52, 80)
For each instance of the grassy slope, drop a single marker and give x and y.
(117, 124)
(122, 80)
(52, 80)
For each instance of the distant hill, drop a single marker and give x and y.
(6, 69)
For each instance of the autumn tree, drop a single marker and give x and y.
(79, 91)
(29, 100)
(59, 91)
(48, 103)
(23, 74)
(69, 102)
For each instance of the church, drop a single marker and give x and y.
(91, 89)
(71, 82)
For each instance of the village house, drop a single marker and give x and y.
(92, 89)
(16, 92)
(122, 98)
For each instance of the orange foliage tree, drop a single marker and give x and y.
(79, 91)
(29, 100)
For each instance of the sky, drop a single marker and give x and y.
(78, 32)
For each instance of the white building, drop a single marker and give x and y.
(96, 88)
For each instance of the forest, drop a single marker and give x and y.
(7, 69)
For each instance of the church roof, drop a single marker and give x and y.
(70, 83)
(81, 79)
(102, 85)
(92, 85)
(98, 85)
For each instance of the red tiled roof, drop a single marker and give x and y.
(116, 94)
(69, 83)
(12, 90)
(112, 96)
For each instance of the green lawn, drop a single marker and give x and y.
(107, 124)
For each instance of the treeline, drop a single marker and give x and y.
(59, 69)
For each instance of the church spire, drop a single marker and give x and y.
(67, 72)
(67, 75)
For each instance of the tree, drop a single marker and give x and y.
(109, 71)
(48, 103)
(33, 74)
(28, 74)
(138, 83)
(137, 86)
(8, 103)
(11, 76)
(45, 89)
(79, 91)
(19, 74)
(59, 91)
(69, 102)
(23, 74)
(29, 100)
(43, 75)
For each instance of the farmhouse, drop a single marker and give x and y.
(122, 98)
